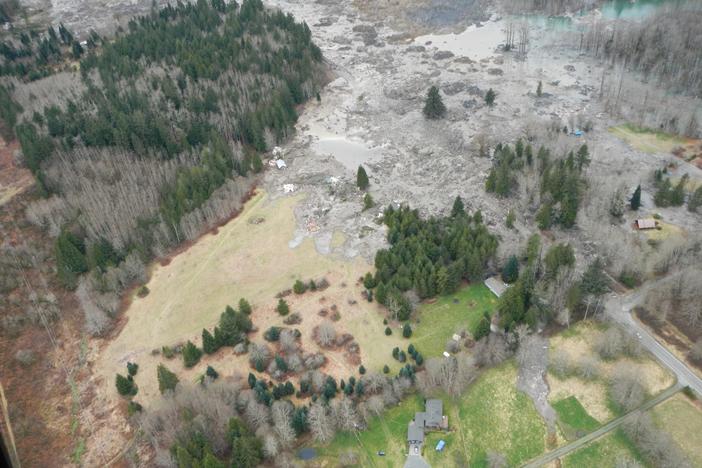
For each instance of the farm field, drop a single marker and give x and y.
(682, 419)
(490, 416)
(438, 321)
(249, 257)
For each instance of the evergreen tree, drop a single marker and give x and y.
(361, 370)
(245, 307)
(406, 330)
(211, 373)
(388, 331)
(458, 208)
(282, 307)
(539, 89)
(490, 97)
(252, 380)
(125, 386)
(361, 178)
(386, 369)
(167, 380)
(434, 107)
(299, 287)
(191, 354)
(544, 216)
(70, 258)
(510, 272)
(483, 327)
(209, 344)
(635, 201)
(132, 368)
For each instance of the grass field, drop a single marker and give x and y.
(592, 395)
(491, 416)
(573, 419)
(647, 140)
(603, 452)
(450, 314)
(682, 419)
(251, 260)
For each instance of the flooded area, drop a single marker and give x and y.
(349, 153)
(476, 42)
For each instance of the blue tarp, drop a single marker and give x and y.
(578, 133)
(440, 446)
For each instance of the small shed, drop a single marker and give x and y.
(496, 285)
(644, 224)
(440, 446)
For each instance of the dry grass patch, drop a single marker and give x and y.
(665, 231)
(682, 419)
(592, 395)
(651, 141)
(251, 260)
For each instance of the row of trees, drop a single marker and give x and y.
(429, 256)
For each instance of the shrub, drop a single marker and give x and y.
(282, 307)
(133, 407)
(407, 330)
(191, 354)
(388, 331)
(402, 357)
(386, 369)
(132, 368)
(368, 202)
(299, 287)
(419, 359)
(168, 352)
(143, 291)
(361, 370)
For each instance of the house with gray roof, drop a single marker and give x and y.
(432, 418)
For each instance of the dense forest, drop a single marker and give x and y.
(429, 256)
(562, 181)
(158, 140)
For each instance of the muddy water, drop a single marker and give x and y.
(476, 42)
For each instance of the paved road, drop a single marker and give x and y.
(562, 451)
(619, 309)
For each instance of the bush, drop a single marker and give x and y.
(388, 331)
(143, 291)
(299, 287)
(282, 307)
(191, 354)
(368, 202)
(361, 370)
(133, 407)
(419, 359)
(407, 330)
(386, 369)
(168, 352)
(132, 368)
(402, 357)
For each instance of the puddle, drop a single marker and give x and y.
(349, 153)
(476, 42)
